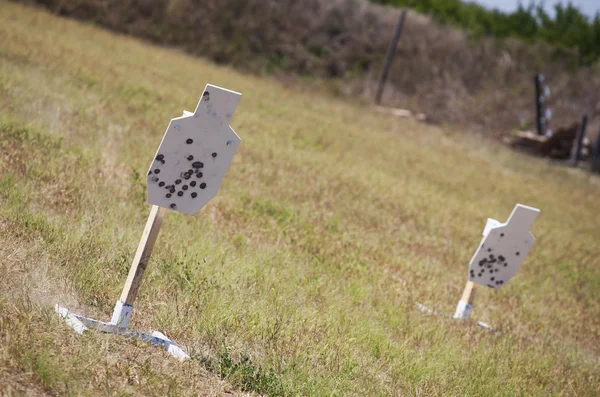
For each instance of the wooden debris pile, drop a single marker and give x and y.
(556, 146)
(401, 113)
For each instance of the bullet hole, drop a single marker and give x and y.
(180, 193)
(189, 141)
(506, 264)
(501, 234)
(190, 157)
(177, 181)
(492, 278)
(517, 253)
(202, 185)
(173, 206)
(489, 250)
(501, 258)
(214, 154)
(149, 172)
(162, 162)
(154, 179)
(199, 175)
(161, 184)
(197, 164)
(194, 195)
(193, 183)
(172, 190)
(160, 157)
(168, 195)
(206, 96)
(185, 187)
(177, 127)
(157, 171)
(491, 286)
(498, 282)
(501, 281)
(229, 142)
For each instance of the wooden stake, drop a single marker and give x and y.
(578, 143)
(390, 56)
(465, 304)
(469, 293)
(596, 156)
(142, 256)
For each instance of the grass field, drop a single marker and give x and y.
(302, 276)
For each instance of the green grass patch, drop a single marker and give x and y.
(302, 276)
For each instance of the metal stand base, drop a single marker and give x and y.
(118, 325)
(457, 315)
(463, 310)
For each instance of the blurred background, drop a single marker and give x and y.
(466, 63)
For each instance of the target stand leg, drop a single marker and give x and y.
(465, 304)
(124, 307)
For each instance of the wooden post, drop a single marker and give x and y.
(465, 304)
(538, 103)
(142, 256)
(390, 55)
(469, 292)
(596, 156)
(576, 151)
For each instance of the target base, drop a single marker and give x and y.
(463, 310)
(81, 324)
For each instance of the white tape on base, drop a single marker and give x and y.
(71, 319)
(463, 310)
(121, 314)
(171, 347)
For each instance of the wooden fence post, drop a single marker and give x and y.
(596, 156)
(390, 56)
(576, 151)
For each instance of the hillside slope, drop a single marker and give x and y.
(479, 84)
(302, 276)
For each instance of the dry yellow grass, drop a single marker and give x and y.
(301, 276)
